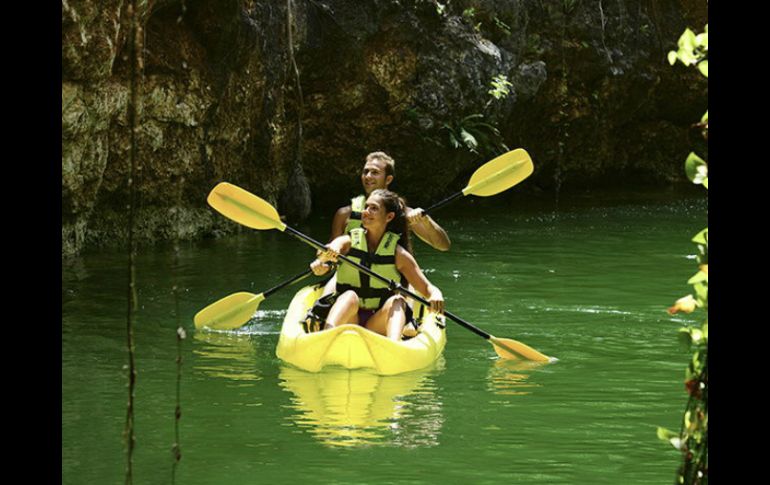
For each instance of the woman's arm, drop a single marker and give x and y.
(340, 245)
(407, 266)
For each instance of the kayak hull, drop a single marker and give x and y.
(353, 346)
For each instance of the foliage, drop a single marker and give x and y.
(469, 14)
(693, 50)
(504, 28)
(692, 439)
(475, 135)
(500, 85)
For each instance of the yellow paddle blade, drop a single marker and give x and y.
(508, 348)
(230, 312)
(244, 207)
(500, 174)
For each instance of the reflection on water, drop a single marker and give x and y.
(511, 377)
(225, 354)
(343, 407)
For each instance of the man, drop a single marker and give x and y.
(378, 173)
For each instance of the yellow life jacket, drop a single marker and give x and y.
(357, 205)
(371, 292)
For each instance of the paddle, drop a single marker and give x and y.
(246, 208)
(491, 178)
(495, 176)
(233, 311)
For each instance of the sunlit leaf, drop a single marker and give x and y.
(665, 434)
(705, 117)
(698, 277)
(702, 40)
(676, 443)
(703, 67)
(706, 182)
(697, 336)
(702, 292)
(702, 237)
(687, 40)
(468, 139)
(672, 57)
(686, 304)
(692, 167)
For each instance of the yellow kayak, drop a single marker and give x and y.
(353, 346)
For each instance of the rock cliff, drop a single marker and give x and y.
(590, 96)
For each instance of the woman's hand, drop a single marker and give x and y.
(319, 265)
(436, 300)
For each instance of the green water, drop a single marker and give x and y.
(588, 283)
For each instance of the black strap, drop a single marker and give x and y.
(368, 259)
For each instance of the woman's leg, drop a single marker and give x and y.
(390, 319)
(344, 310)
(331, 285)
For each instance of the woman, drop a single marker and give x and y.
(383, 245)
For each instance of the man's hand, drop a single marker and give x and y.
(416, 216)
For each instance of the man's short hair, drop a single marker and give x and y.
(390, 164)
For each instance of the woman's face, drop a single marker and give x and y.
(375, 213)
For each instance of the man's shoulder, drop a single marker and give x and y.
(344, 211)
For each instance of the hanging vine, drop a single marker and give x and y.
(135, 73)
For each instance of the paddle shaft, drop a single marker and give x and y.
(295, 279)
(391, 284)
(444, 202)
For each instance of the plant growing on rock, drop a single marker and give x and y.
(692, 439)
(500, 85)
(475, 135)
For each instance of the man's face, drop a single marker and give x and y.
(373, 176)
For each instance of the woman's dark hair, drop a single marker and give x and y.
(392, 202)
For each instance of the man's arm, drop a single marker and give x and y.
(339, 222)
(427, 229)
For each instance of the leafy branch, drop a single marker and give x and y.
(692, 439)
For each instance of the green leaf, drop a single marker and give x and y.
(685, 338)
(702, 40)
(702, 237)
(453, 140)
(697, 336)
(705, 117)
(694, 166)
(670, 437)
(702, 291)
(472, 117)
(672, 57)
(468, 139)
(703, 67)
(698, 277)
(687, 41)
(665, 434)
(706, 182)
